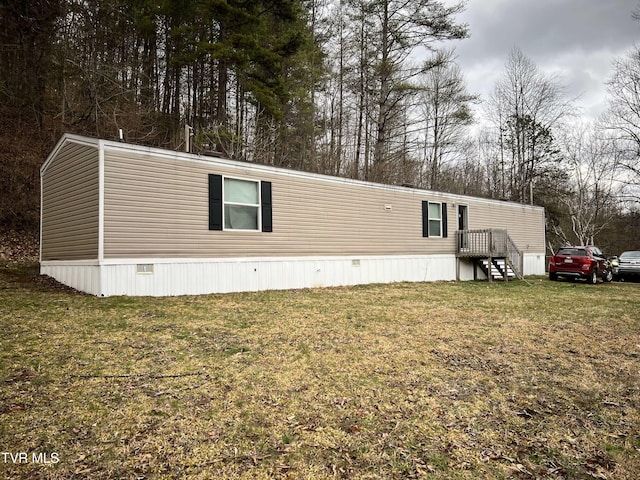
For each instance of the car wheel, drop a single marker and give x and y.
(553, 277)
(608, 276)
(593, 277)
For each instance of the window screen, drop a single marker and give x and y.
(435, 220)
(241, 204)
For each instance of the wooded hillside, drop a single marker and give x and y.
(330, 87)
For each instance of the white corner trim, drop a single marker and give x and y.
(100, 200)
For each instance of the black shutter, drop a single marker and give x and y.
(265, 200)
(425, 218)
(215, 202)
(444, 220)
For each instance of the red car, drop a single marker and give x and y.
(588, 263)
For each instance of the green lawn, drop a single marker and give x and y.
(430, 380)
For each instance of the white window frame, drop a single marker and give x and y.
(258, 206)
(430, 219)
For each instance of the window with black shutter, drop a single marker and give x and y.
(239, 204)
(434, 219)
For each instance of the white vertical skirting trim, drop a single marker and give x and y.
(534, 263)
(152, 277)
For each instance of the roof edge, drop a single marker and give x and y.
(105, 144)
(64, 140)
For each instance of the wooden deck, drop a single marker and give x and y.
(490, 244)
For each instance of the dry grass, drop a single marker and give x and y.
(434, 380)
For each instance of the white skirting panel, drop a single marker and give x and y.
(165, 277)
(534, 263)
(81, 276)
(466, 269)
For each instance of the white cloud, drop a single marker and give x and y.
(574, 39)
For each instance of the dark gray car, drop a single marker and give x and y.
(628, 266)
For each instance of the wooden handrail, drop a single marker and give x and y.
(490, 243)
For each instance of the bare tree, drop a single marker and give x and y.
(466, 175)
(623, 115)
(592, 162)
(400, 27)
(525, 106)
(445, 112)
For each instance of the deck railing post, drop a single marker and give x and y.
(490, 244)
(490, 263)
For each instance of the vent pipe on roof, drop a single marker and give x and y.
(120, 135)
(188, 133)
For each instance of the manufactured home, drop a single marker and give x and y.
(122, 219)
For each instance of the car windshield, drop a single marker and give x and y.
(626, 255)
(572, 251)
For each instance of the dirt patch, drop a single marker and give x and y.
(19, 246)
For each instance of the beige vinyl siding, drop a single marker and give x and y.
(333, 218)
(524, 224)
(157, 206)
(70, 196)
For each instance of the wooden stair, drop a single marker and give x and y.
(500, 268)
(493, 251)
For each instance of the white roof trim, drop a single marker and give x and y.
(240, 165)
(67, 138)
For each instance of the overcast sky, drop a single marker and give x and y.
(575, 39)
